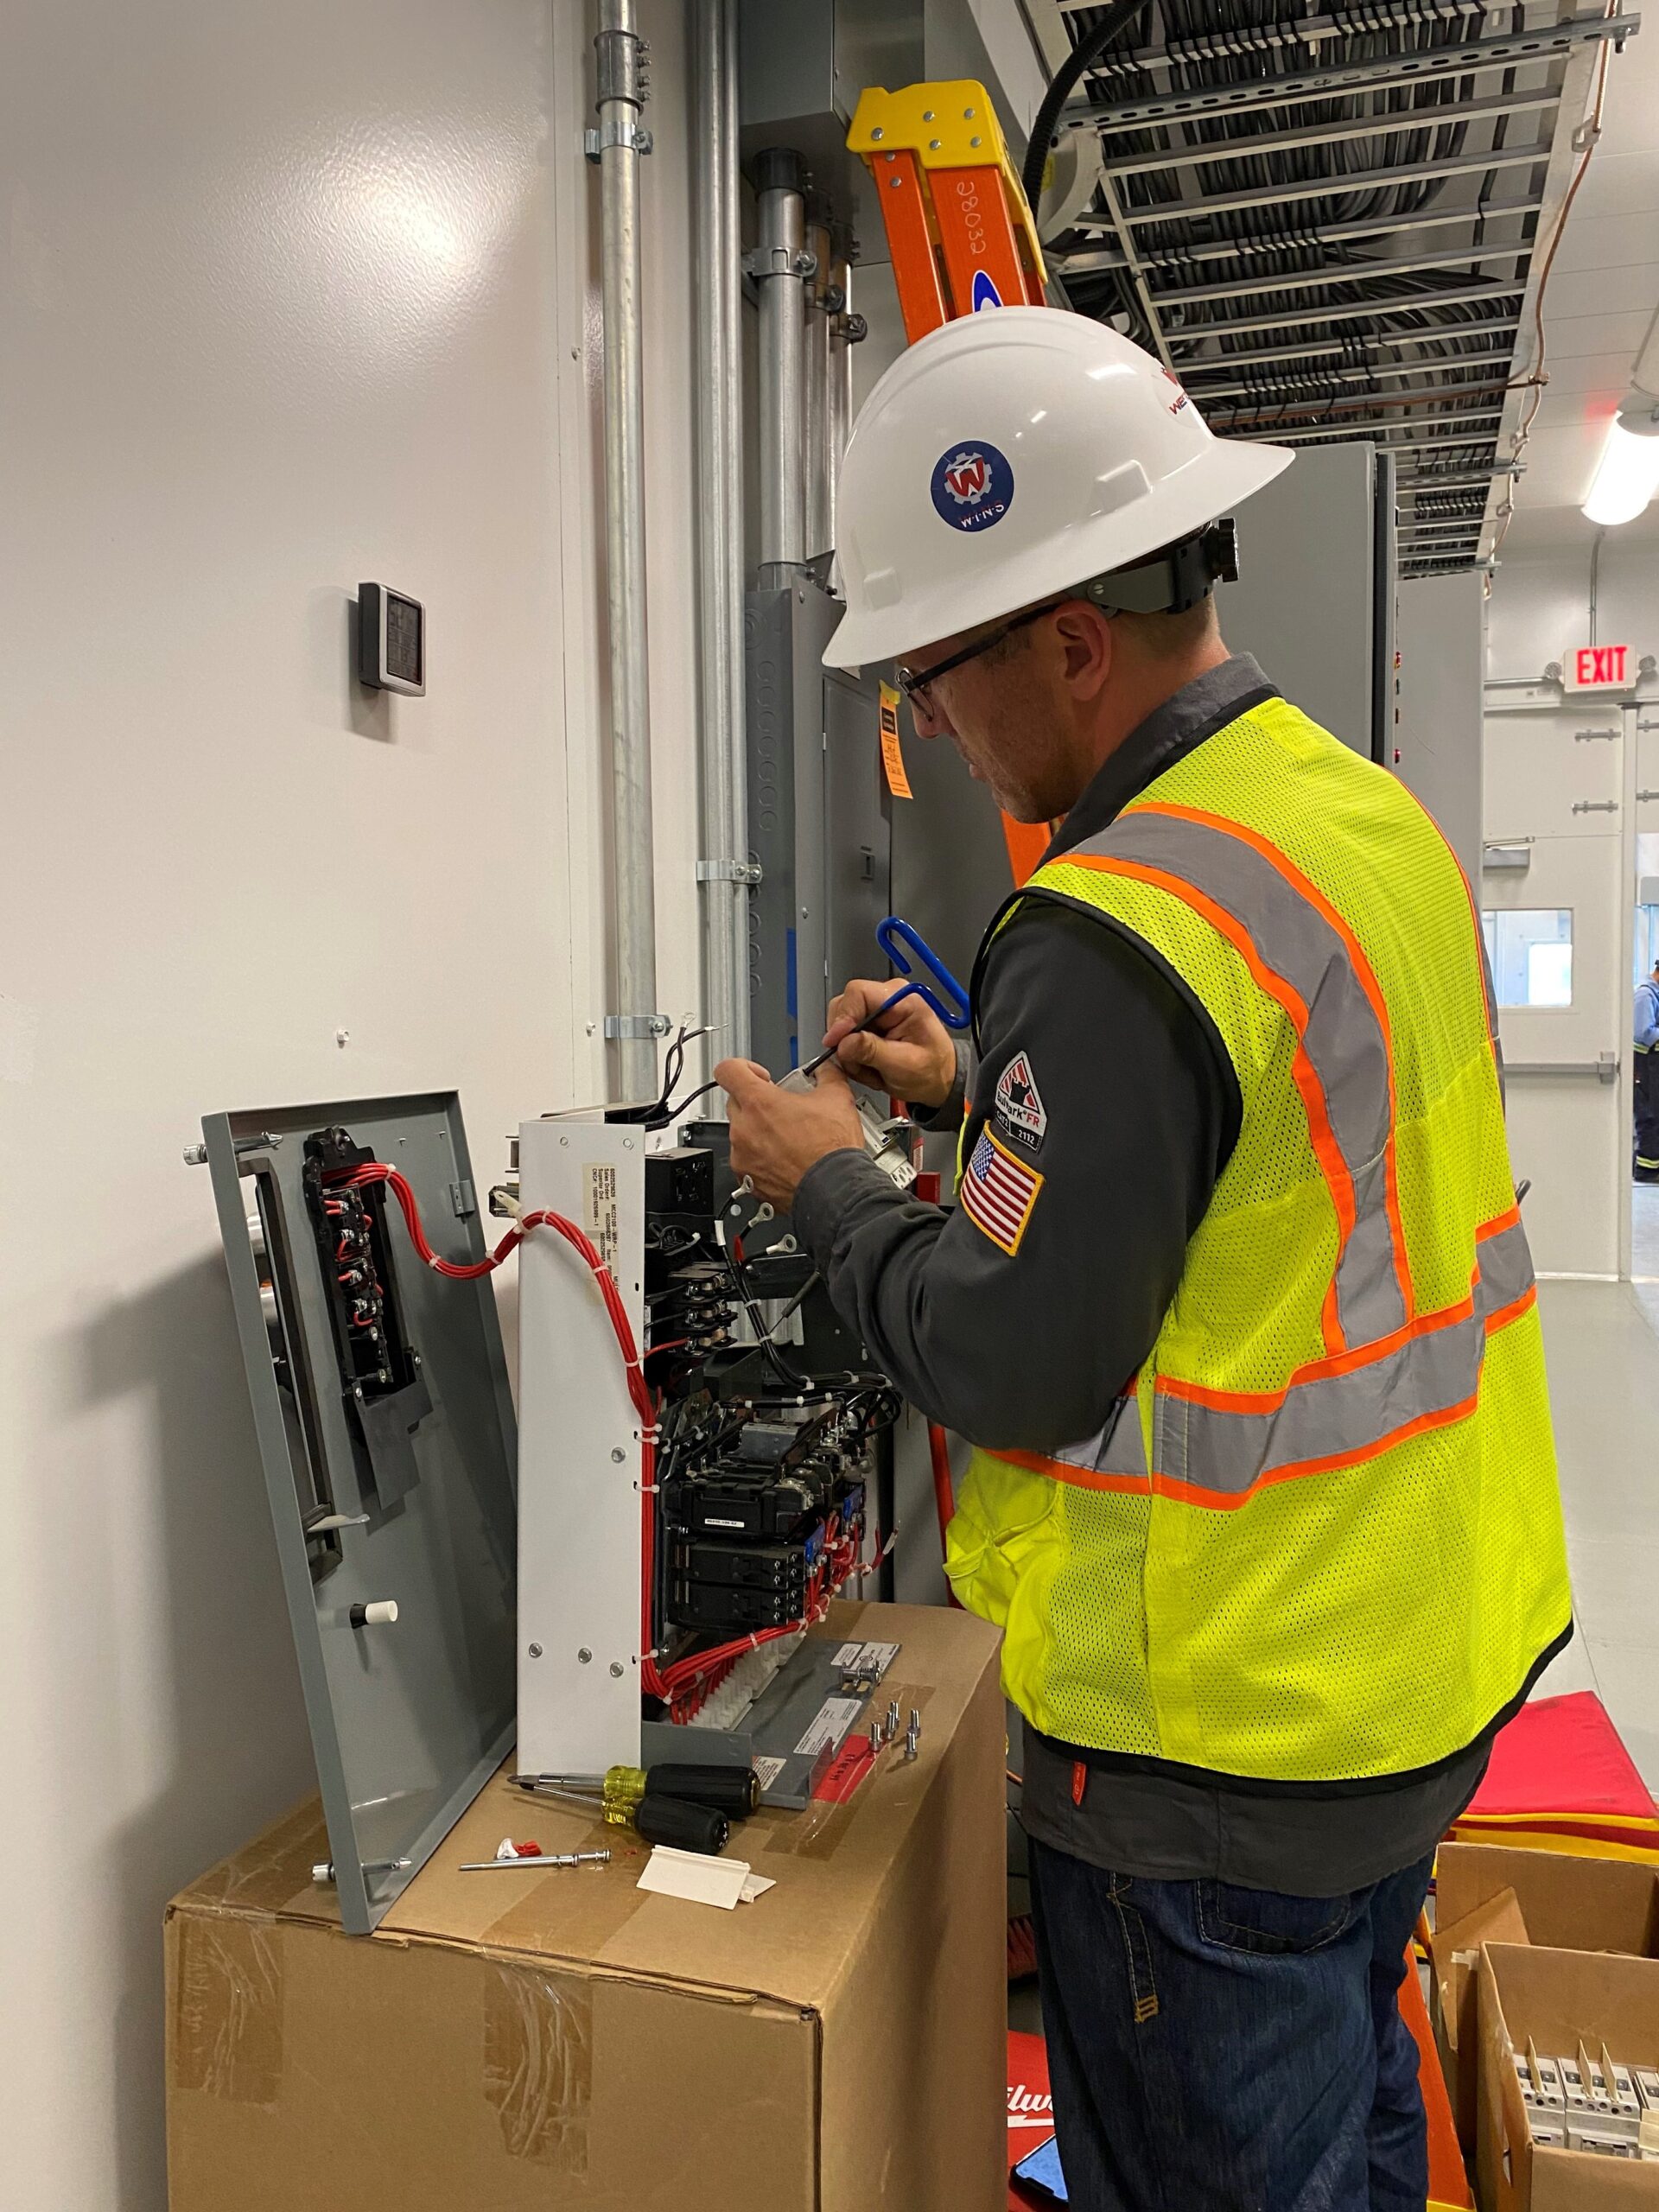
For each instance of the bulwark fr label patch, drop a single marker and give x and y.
(1019, 1103)
(998, 1192)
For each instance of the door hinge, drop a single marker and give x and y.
(728, 871)
(1588, 736)
(1643, 796)
(1607, 1067)
(1595, 807)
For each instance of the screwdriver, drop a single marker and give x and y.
(654, 1817)
(733, 1791)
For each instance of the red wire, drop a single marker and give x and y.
(644, 1405)
(667, 1683)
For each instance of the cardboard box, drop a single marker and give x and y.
(526, 2042)
(1485, 1895)
(1559, 1998)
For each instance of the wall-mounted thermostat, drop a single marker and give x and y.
(390, 639)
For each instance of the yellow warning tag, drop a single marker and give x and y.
(893, 753)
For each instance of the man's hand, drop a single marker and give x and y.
(910, 1057)
(778, 1135)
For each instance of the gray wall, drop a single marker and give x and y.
(293, 296)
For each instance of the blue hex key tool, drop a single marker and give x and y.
(909, 951)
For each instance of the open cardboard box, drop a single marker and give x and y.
(525, 2040)
(1559, 1998)
(1485, 1895)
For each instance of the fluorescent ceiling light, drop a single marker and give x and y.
(1627, 475)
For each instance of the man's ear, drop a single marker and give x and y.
(1086, 643)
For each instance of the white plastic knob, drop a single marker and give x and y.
(381, 1613)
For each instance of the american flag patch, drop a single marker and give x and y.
(998, 1192)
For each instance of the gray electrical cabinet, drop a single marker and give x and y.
(385, 1431)
(819, 824)
(1315, 596)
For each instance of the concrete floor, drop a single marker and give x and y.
(1644, 1246)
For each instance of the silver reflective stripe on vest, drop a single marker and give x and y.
(1117, 1449)
(1343, 1040)
(1334, 1417)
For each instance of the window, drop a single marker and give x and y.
(1531, 952)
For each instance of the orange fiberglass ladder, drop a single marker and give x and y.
(960, 236)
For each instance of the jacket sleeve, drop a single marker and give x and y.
(1647, 1015)
(1105, 1108)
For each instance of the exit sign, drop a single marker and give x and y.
(1599, 668)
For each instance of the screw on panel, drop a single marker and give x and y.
(535, 1651)
(617, 1455)
(584, 1657)
(616, 1668)
(878, 132)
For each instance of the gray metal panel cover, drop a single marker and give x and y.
(1305, 603)
(408, 1721)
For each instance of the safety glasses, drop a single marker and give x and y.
(914, 684)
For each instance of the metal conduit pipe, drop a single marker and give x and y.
(724, 870)
(737, 840)
(815, 396)
(846, 328)
(617, 146)
(780, 266)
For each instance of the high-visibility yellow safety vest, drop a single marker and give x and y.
(1322, 1539)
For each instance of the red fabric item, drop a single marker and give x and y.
(1563, 1755)
(1030, 2110)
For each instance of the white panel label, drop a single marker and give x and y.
(866, 1658)
(835, 1716)
(769, 1770)
(598, 1205)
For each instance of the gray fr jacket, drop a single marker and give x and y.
(1095, 1067)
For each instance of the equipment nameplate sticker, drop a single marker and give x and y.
(1019, 1103)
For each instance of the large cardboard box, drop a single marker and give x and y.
(1485, 1895)
(1559, 1998)
(524, 2042)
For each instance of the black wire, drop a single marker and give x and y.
(1087, 51)
(661, 1114)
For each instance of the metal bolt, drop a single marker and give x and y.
(535, 1651)
(342, 1038)
(895, 181)
(927, 115)
(584, 1657)
(565, 1139)
(628, 1144)
(973, 142)
(967, 115)
(618, 1454)
(878, 132)
(932, 145)
(616, 1669)
(195, 1155)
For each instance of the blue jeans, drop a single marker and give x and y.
(1220, 2049)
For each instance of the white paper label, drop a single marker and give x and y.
(835, 1716)
(866, 1658)
(599, 1192)
(768, 1770)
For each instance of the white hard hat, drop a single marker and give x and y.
(1009, 455)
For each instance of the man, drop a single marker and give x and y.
(1647, 1079)
(1235, 1302)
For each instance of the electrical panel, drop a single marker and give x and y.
(385, 1432)
(667, 1577)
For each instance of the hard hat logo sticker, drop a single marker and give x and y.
(972, 487)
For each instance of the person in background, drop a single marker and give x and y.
(1646, 1078)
